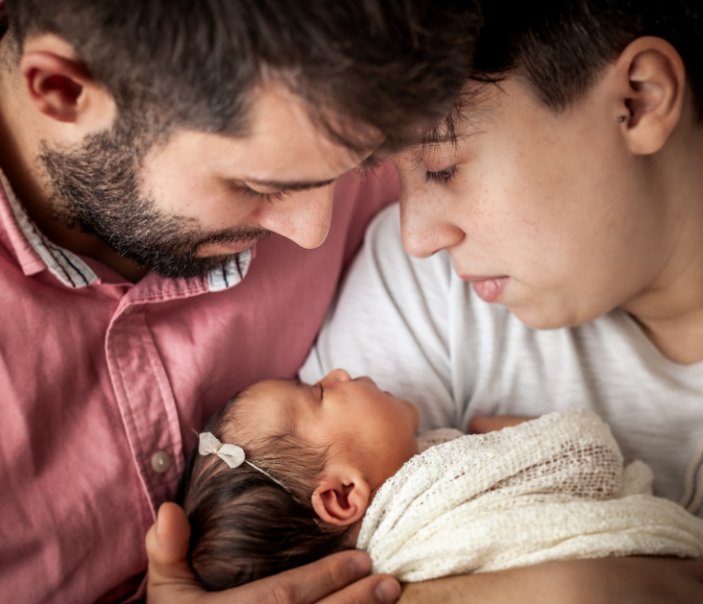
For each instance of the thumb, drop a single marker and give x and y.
(167, 547)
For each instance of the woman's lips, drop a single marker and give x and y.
(489, 289)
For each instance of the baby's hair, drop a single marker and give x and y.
(244, 526)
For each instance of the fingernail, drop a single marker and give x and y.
(387, 590)
(158, 518)
(361, 565)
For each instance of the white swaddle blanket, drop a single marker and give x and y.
(552, 488)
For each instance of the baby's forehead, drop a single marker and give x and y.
(268, 390)
(265, 405)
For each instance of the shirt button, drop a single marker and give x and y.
(160, 462)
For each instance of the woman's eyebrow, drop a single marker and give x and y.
(437, 137)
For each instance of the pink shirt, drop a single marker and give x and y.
(103, 381)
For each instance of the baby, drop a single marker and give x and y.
(290, 472)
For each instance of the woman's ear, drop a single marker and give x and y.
(653, 93)
(60, 86)
(341, 499)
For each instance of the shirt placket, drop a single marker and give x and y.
(146, 401)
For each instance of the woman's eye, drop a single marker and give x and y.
(442, 176)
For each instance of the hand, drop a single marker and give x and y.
(339, 579)
(480, 424)
(636, 580)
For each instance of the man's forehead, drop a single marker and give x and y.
(277, 112)
(294, 163)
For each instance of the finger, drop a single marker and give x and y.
(315, 581)
(481, 424)
(167, 547)
(375, 589)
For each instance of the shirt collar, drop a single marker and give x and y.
(71, 270)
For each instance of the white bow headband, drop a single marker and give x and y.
(232, 455)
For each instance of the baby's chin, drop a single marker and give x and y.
(413, 415)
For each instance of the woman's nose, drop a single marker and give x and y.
(426, 230)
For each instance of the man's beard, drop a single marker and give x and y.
(95, 187)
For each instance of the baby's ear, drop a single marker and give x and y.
(341, 499)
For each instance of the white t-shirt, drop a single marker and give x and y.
(420, 332)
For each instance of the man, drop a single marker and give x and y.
(163, 165)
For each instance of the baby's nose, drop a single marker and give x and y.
(336, 375)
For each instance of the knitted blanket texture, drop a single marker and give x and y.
(549, 489)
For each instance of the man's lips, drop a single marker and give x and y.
(488, 288)
(226, 247)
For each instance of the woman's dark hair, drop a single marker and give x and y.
(393, 65)
(245, 526)
(560, 46)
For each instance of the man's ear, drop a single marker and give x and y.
(341, 500)
(60, 86)
(653, 97)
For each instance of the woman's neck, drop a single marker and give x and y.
(670, 309)
(680, 339)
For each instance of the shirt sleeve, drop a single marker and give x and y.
(390, 322)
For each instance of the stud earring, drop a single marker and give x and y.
(621, 119)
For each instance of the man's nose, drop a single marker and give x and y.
(303, 217)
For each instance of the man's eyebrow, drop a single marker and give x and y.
(295, 185)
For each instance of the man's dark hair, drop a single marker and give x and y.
(560, 46)
(394, 65)
(246, 526)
